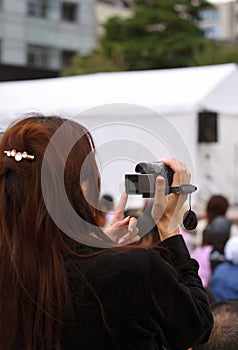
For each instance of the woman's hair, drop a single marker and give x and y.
(216, 205)
(34, 292)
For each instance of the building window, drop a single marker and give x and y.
(66, 57)
(212, 32)
(38, 56)
(42, 8)
(69, 11)
(37, 8)
(118, 3)
(210, 14)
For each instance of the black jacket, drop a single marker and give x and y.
(136, 299)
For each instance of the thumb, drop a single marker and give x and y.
(159, 199)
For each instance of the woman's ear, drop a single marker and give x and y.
(88, 193)
(85, 189)
(84, 186)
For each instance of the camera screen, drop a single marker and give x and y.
(143, 184)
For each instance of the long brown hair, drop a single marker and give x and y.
(34, 292)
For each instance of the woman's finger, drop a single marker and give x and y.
(120, 209)
(132, 231)
(181, 173)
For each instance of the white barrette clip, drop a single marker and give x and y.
(19, 155)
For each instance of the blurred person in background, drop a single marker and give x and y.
(202, 255)
(224, 335)
(109, 207)
(217, 234)
(217, 205)
(105, 210)
(224, 280)
(211, 253)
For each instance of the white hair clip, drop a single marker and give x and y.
(18, 155)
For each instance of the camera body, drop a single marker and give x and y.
(143, 183)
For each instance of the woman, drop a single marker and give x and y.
(62, 293)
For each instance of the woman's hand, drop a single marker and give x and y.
(122, 231)
(166, 209)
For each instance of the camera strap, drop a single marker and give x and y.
(182, 189)
(189, 218)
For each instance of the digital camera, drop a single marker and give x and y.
(143, 182)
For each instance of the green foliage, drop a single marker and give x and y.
(97, 61)
(216, 53)
(160, 34)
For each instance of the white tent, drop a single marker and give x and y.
(143, 116)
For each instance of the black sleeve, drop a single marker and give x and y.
(179, 302)
(150, 298)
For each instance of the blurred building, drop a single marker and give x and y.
(109, 8)
(221, 23)
(39, 37)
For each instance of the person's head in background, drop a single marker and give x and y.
(108, 202)
(217, 205)
(32, 245)
(224, 334)
(217, 233)
(231, 250)
(105, 210)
